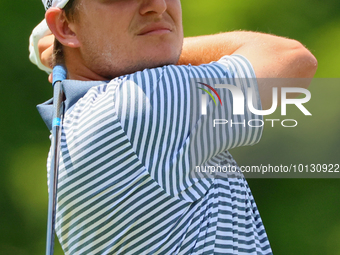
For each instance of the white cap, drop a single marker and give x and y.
(54, 3)
(38, 32)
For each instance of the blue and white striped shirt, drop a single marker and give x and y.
(127, 178)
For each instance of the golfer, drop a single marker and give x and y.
(133, 130)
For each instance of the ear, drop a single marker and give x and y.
(60, 27)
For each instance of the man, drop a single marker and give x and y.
(133, 130)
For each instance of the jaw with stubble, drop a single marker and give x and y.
(90, 64)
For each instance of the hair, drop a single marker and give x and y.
(58, 51)
(70, 9)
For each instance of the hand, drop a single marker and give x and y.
(45, 47)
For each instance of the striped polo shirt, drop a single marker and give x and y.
(131, 153)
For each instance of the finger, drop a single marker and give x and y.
(50, 77)
(45, 43)
(46, 56)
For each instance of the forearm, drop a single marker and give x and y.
(271, 56)
(204, 49)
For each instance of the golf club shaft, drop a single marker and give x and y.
(59, 74)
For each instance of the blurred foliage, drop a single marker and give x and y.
(301, 216)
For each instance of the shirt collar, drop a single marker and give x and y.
(73, 91)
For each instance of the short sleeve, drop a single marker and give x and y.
(224, 121)
(160, 112)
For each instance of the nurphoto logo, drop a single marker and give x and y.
(239, 101)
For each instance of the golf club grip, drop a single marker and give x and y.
(59, 74)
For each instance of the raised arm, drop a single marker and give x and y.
(271, 57)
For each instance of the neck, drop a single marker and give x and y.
(77, 70)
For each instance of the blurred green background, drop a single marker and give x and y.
(301, 216)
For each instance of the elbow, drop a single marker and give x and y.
(304, 62)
